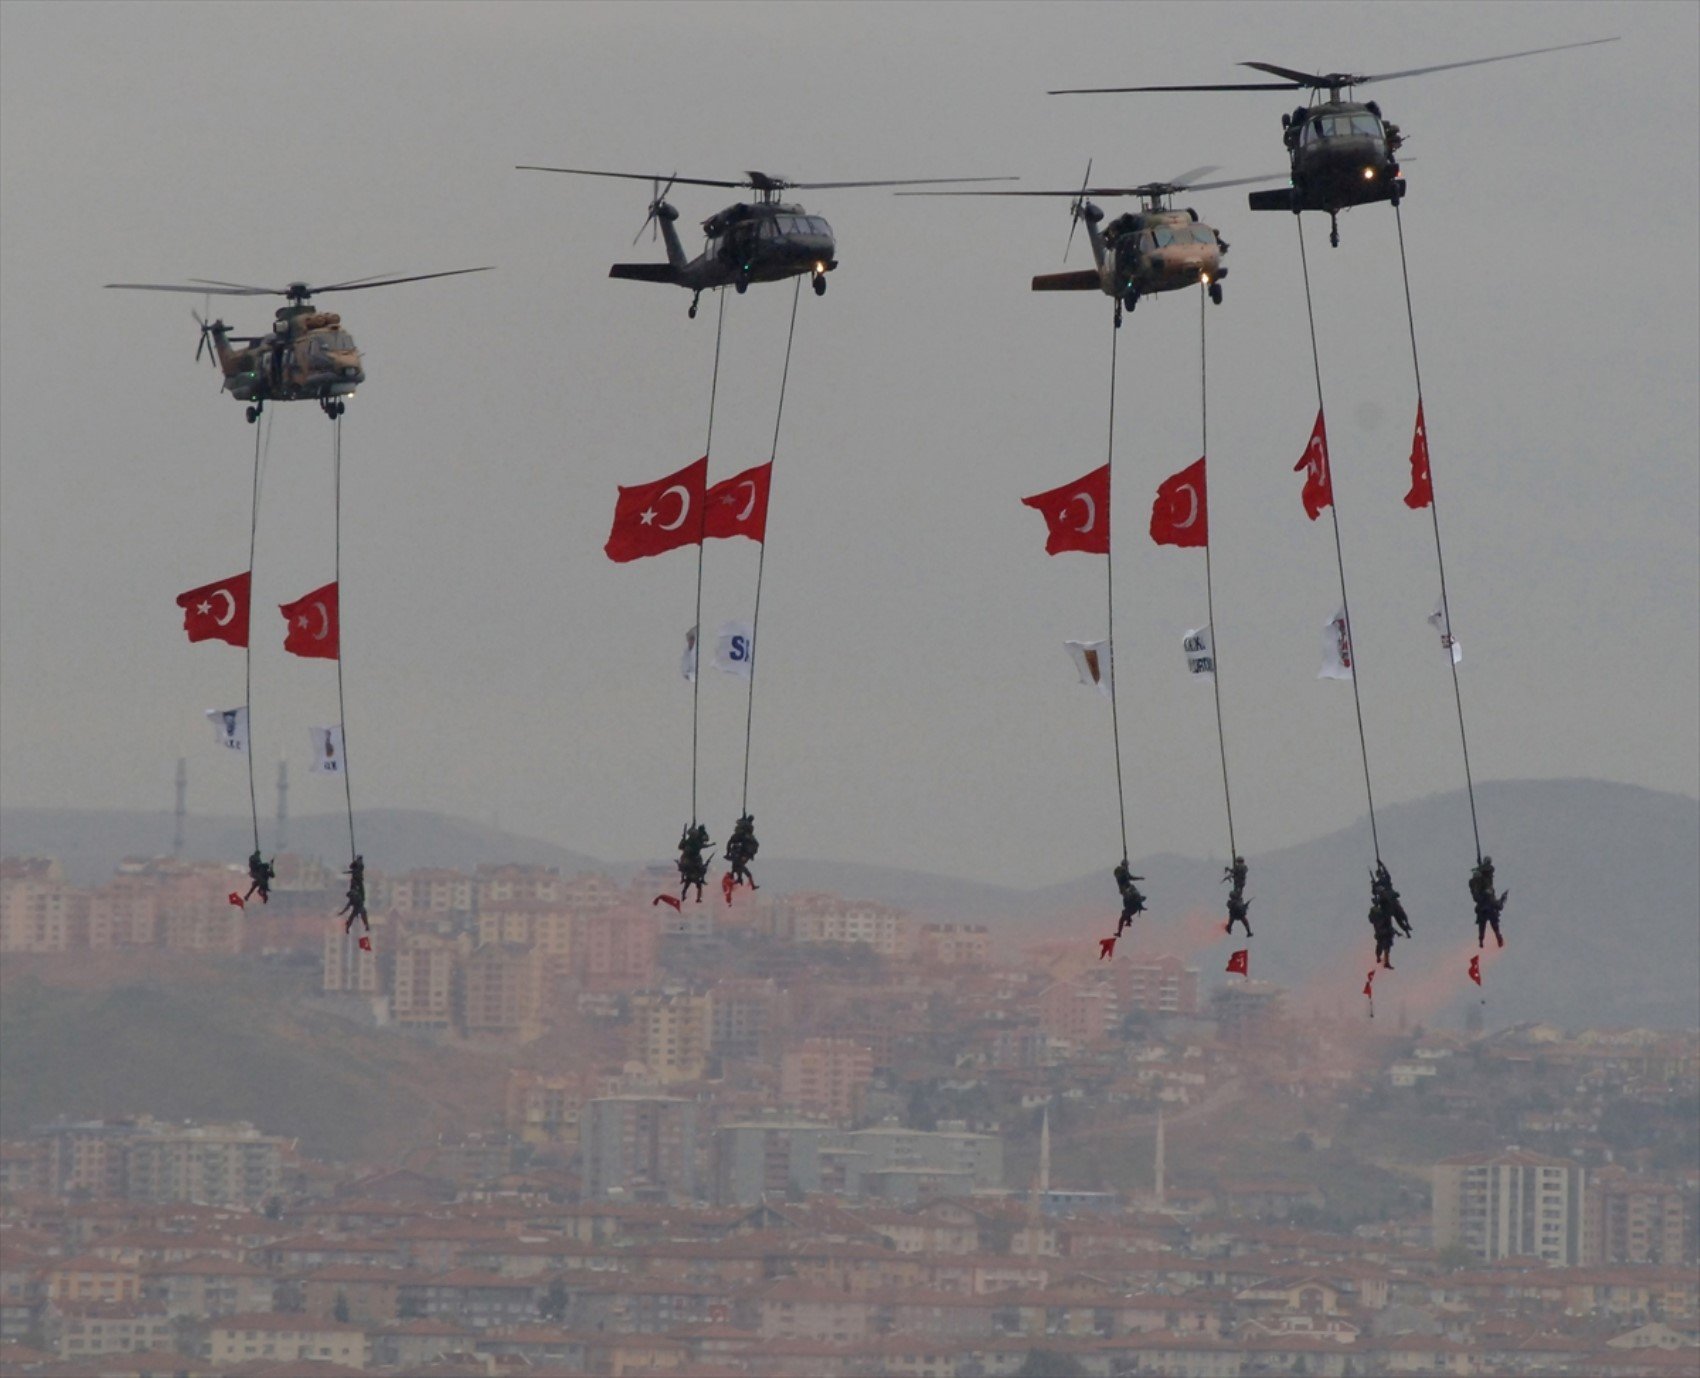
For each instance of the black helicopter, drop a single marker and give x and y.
(306, 355)
(764, 241)
(1342, 153)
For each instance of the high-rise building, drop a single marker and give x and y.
(767, 1160)
(826, 1076)
(1510, 1205)
(425, 990)
(1158, 985)
(672, 1034)
(1635, 1220)
(642, 1147)
(746, 1015)
(504, 992)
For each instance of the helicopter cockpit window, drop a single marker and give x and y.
(1165, 236)
(1200, 235)
(1366, 124)
(1146, 242)
(819, 226)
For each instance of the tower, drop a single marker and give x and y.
(182, 805)
(1157, 1173)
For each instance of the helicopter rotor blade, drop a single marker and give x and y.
(899, 182)
(1214, 86)
(1185, 180)
(1296, 77)
(631, 176)
(1079, 204)
(1478, 61)
(390, 282)
(205, 289)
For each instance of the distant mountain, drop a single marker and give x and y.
(1602, 925)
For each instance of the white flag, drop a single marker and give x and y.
(1336, 648)
(1200, 653)
(688, 661)
(231, 724)
(1092, 663)
(327, 750)
(735, 648)
(1437, 620)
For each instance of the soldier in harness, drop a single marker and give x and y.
(1488, 904)
(1381, 921)
(355, 905)
(1381, 886)
(1238, 905)
(693, 865)
(1133, 902)
(261, 873)
(741, 849)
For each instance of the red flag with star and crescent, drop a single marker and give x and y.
(1476, 970)
(1422, 486)
(1239, 962)
(1319, 479)
(217, 612)
(313, 625)
(1077, 515)
(737, 506)
(1181, 516)
(653, 518)
(1369, 984)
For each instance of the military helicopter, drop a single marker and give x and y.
(1154, 249)
(766, 241)
(1342, 153)
(306, 354)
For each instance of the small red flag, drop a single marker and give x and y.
(1476, 970)
(1106, 947)
(1077, 514)
(737, 506)
(1180, 515)
(313, 624)
(1422, 487)
(652, 518)
(365, 943)
(237, 900)
(664, 899)
(727, 885)
(1319, 479)
(217, 612)
(1240, 962)
(1369, 984)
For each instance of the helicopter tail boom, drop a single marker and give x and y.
(1085, 280)
(645, 272)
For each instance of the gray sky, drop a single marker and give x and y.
(914, 703)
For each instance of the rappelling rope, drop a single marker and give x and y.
(1339, 556)
(1439, 558)
(1110, 582)
(761, 559)
(702, 542)
(262, 442)
(1209, 592)
(342, 641)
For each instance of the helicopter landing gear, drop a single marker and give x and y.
(1131, 300)
(1118, 314)
(820, 284)
(1333, 230)
(332, 407)
(695, 297)
(742, 283)
(1216, 293)
(253, 412)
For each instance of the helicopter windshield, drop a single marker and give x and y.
(1359, 124)
(1200, 235)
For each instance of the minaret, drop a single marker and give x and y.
(182, 805)
(1158, 1173)
(282, 802)
(1045, 1157)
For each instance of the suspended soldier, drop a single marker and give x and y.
(741, 849)
(1382, 886)
(1382, 922)
(1133, 902)
(1488, 904)
(1237, 874)
(1238, 905)
(355, 905)
(693, 865)
(261, 873)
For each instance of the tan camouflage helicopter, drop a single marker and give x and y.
(766, 241)
(306, 355)
(1157, 248)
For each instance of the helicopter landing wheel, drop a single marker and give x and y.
(742, 284)
(1334, 231)
(253, 415)
(1118, 314)
(692, 313)
(1216, 293)
(820, 284)
(1131, 300)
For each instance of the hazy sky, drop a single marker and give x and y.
(914, 704)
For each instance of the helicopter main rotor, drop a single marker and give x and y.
(765, 185)
(296, 292)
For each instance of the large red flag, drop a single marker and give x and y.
(652, 518)
(1319, 479)
(1240, 962)
(737, 506)
(217, 612)
(313, 624)
(1180, 516)
(1077, 514)
(1422, 486)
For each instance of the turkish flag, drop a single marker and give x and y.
(1369, 984)
(652, 518)
(313, 628)
(1319, 480)
(365, 943)
(1476, 970)
(217, 612)
(1422, 486)
(737, 506)
(1180, 515)
(1240, 962)
(1077, 514)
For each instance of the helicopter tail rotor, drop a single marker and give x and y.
(1076, 209)
(206, 333)
(658, 199)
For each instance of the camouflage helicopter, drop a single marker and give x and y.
(1157, 248)
(766, 241)
(306, 354)
(1342, 153)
